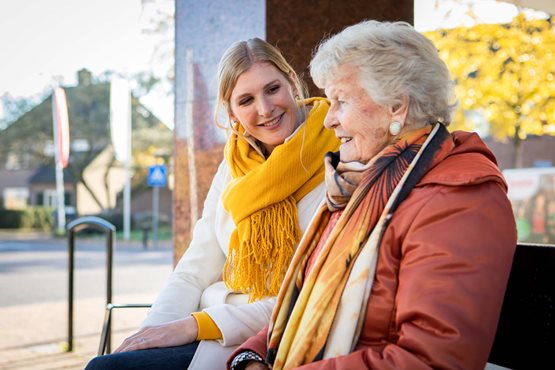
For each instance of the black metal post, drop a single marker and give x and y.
(82, 223)
(109, 267)
(71, 249)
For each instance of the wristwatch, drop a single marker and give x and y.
(241, 360)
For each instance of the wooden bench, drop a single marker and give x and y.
(525, 337)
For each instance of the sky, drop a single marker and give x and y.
(433, 14)
(44, 42)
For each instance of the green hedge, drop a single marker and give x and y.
(28, 218)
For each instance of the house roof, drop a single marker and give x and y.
(89, 119)
(27, 139)
(14, 178)
(46, 174)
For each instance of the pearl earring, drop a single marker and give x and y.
(395, 128)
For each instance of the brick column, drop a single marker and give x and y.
(297, 26)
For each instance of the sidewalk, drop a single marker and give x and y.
(35, 337)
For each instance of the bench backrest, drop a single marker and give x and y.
(525, 337)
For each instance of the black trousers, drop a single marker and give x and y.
(147, 359)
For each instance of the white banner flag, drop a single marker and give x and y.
(120, 119)
(60, 125)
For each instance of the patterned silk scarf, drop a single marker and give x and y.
(321, 315)
(262, 200)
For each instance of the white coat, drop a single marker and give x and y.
(195, 284)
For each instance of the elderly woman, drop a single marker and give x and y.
(406, 265)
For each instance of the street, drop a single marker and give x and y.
(34, 271)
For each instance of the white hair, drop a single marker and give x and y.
(394, 61)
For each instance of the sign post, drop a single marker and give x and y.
(157, 178)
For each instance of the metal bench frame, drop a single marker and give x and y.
(106, 327)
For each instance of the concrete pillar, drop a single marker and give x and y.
(208, 28)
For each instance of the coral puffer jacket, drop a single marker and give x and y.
(443, 267)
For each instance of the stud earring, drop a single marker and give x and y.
(395, 128)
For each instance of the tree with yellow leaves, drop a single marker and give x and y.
(505, 71)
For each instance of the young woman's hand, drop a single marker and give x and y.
(173, 333)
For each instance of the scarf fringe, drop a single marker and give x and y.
(258, 264)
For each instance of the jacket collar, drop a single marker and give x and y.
(471, 162)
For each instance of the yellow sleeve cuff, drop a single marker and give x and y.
(207, 328)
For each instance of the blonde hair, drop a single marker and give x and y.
(394, 60)
(237, 59)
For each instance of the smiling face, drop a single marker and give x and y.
(263, 102)
(360, 123)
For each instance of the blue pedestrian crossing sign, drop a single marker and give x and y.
(157, 176)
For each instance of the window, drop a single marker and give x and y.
(15, 198)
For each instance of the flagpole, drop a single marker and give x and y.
(60, 204)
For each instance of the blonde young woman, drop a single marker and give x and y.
(261, 200)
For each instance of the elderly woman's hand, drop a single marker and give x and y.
(173, 333)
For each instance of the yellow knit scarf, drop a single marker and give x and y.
(262, 200)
